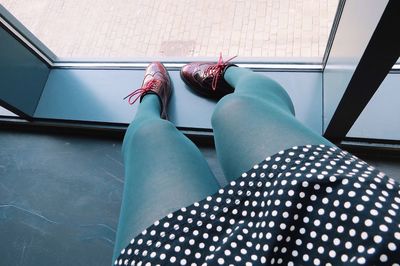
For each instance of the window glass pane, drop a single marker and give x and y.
(274, 29)
(380, 119)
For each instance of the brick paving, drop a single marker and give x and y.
(178, 28)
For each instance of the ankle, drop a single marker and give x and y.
(229, 71)
(150, 105)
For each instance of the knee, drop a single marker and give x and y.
(146, 129)
(266, 89)
(228, 107)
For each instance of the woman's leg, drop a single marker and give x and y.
(164, 171)
(255, 121)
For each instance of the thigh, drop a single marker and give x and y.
(164, 171)
(248, 129)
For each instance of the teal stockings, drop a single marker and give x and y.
(165, 171)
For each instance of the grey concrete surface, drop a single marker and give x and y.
(179, 28)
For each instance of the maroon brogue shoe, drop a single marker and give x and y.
(156, 81)
(207, 78)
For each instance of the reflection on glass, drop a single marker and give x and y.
(179, 28)
(5, 112)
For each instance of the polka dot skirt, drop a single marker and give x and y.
(311, 205)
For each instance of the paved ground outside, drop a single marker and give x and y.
(178, 28)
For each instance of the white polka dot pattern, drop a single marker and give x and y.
(312, 205)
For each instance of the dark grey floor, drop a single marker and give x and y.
(60, 197)
(391, 166)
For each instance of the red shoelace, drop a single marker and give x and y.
(136, 94)
(216, 70)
